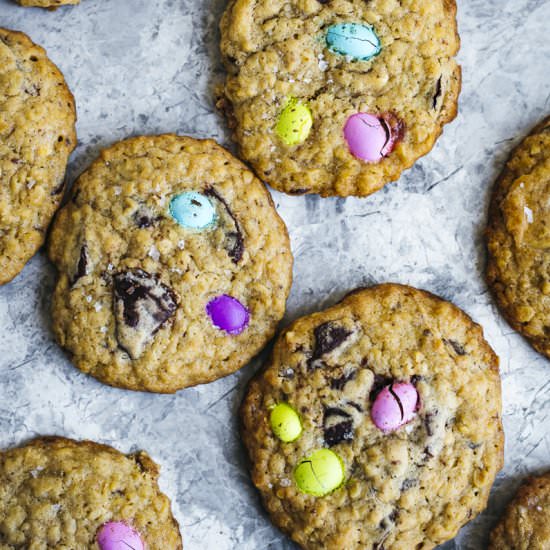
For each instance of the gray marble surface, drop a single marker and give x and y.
(145, 66)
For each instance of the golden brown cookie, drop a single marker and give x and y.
(37, 135)
(174, 266)
(51, 4)
(60, 493)
(338, 97)
(377, 423)
(518, 239)
(526, 523)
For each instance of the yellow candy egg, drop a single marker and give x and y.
(320, 473)
(285, 423)
(295, 122)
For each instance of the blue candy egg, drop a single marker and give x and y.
(355, 40)
(193, 210)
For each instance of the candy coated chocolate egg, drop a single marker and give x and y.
(395, 406)
(117, 535)
(370, 138)
(285, 423)
(228, 314)
(320, 473)
(294, 122)
(193, 210)
(355, 40)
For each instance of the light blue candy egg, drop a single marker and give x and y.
(356, 40)
(193, 210)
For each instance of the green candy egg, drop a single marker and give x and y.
(295, 122)
(320, 473)
(285, 423)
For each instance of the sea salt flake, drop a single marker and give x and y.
(103, 330)
(98, 306)
(154, 253)
(35, 472)
(323, 63)
(118, 190)
(181, 244)
(285, 482)
(528, 214)
(89, 299)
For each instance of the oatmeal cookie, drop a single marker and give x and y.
(174, 266)
(377, 423)
(338, 97)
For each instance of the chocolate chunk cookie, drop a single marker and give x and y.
(377, 423)
(518, 239)
(60, 493)
(174, 266)
(338, 97)
(37, 135)
(526, 523)
(52, 4)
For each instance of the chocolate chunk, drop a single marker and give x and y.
(437, 94)
(408, 484)
(234, 242)
(457, 347)
(429, 422)
(328, 337)
(341, 381)
(82, 265)
(142, 305)
(337, 426)
(144, 217)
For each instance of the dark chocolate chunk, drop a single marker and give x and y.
(457, 347)
(337, 426)
(341, 381)
(437, 94)
(142, 304)
(234, 242)
(328, 337)
(408, 484)
(82, 265)
(429, 422)
(144, 217)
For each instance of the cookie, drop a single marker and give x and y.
(174, 266)
(377, 423)
(338, 97)
(518, 239)
(52, 4)
(526, 523)
(37, 135)
(60, 493)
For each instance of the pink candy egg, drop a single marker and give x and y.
(117, 535)
(395, 406)
(369, 137)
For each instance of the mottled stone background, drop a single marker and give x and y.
(146, 66)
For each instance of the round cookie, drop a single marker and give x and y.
(174, 266)
(526, 522)
(37, 135)
(51, 4)
(402, 389)
(338, 97)
(518, 239)
(60, 493)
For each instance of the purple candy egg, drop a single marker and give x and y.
(369, 137)
(117, 535)
(228, 314)
(395, 406)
